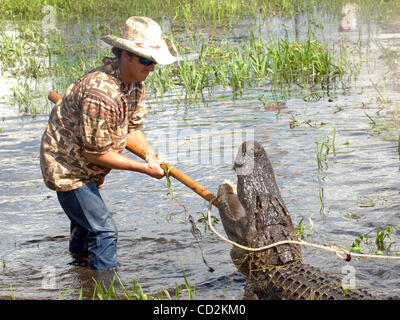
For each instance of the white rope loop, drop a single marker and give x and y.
(332, 248)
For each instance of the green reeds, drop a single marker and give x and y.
(322, 147)
(119, 291)
(257, 62)
(12, 293)
(209, 11)
(280, 63)
(398, 145)
(189, 289)
(300, 229)
(356, 245)
(302, 62)
(382, 235)
(135, 292)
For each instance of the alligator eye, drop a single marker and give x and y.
(243, 149)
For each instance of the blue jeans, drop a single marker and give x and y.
(93, 230)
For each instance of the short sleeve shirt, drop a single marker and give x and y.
(94, 115)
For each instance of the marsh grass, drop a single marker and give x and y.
(133, 292)
(12, 293)
(398, 145)
(239, 68)
(117, 290)
(283, 65)
(208, 11)
(63, 55)
(322, 150)
(382, 235)
(300, 228)
(304, 62)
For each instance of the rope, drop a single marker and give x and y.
(332, 248)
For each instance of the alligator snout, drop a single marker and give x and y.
(245, 158)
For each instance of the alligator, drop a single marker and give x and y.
(254, 215)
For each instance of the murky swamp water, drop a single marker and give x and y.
(354, 193)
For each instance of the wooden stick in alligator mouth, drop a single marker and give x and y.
(177, 174)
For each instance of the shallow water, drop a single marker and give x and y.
(359, 183)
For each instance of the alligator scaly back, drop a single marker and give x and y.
(256, 216)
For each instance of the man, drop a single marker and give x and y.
(88, 130)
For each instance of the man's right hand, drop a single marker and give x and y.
(154, 169)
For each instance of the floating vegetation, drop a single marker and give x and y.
(382, 236)
(300, 229)
(356, 245)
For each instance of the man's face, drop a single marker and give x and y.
(135, 69)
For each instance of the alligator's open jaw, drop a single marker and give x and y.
(233, 215)
(254, 172)
(256, 216)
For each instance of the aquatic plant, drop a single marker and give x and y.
(300, 228)
(355, 247)
(191, 291)
(208, 11)
(302, 61)
(322, 147)
(135, 292)
(381, 236)
(321, 195)
(62, 55)
(12, 293)
(398, 145)
(250, 63)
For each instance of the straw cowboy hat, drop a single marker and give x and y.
(143, 36)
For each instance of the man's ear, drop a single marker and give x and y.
(126, 56)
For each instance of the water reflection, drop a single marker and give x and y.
(349, 17)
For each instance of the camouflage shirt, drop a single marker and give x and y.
(95, 114)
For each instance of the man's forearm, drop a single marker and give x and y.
(115, 160)
(138, 138)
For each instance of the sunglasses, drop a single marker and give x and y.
(145, 61)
